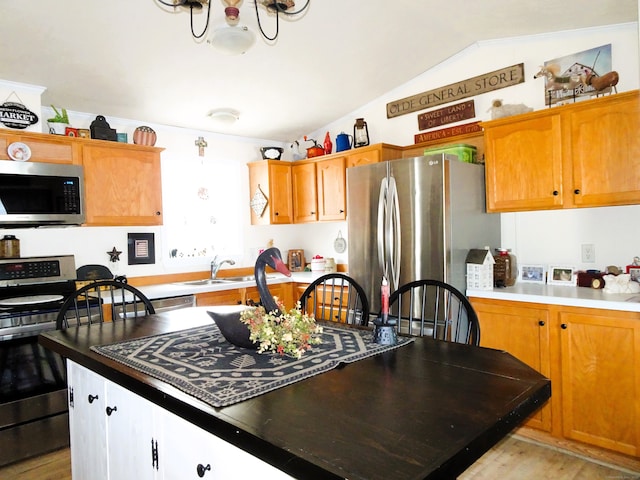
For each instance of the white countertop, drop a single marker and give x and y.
(166, 290)
(563, 295)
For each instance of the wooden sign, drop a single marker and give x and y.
(488, 82)
(443, 133)
(450, 114)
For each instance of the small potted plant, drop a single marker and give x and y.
(59, 123)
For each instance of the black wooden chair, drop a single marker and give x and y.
(103, 300)
(336, 297)
(436, 309)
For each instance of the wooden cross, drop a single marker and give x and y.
(201, 143)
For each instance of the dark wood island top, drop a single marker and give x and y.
(425, 410)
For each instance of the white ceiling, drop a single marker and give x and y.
(135, 59)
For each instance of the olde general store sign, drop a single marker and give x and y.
(443, 133)
(457, 91)
(445, 115)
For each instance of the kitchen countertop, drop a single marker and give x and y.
(177, 289)
(563, 295)
(520, 292)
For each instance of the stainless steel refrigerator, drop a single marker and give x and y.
(415, 218)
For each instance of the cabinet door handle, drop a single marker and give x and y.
(341, 211)
(313, 213)
(563, 326)
(91, 398)
(541, 323)
(201, 469)
(577, 191)
(556, 193)
(110, 410)
(276, 214)
(158, 214)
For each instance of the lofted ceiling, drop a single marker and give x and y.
(138, 60)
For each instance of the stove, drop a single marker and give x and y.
(33, 394)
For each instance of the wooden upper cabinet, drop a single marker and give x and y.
(305, 199)
(378, 152)
(585, 154)
(271, 179)
(524, 164)
(331, 189)
(45, 148)
(605, 149)
(123, 184)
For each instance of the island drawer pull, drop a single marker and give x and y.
(110, 410)
(91, 398)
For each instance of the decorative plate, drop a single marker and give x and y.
(340, 244)
(19, 152)
(258, 202)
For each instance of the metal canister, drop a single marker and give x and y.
(9, 247)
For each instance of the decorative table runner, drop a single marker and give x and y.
(200, 362)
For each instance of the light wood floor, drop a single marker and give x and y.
(516, 457)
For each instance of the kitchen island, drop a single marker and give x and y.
(425, 410)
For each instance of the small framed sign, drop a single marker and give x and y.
(142, 249)
(296, 260)
(532, 274)
(561, 275)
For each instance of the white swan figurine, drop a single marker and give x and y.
(273, 258)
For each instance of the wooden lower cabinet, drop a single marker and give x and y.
(244, 296)
(522, 331)
(590, 355)
(116, 434)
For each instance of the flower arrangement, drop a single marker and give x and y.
(291, 333)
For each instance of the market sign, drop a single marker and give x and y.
(443, 133)
(16, 115)
(488, 82)
(445, 115)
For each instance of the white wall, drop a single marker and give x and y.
(535, 237)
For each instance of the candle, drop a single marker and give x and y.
(384, 292)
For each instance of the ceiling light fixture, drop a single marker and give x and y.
(234, 39)
(284, 7)
(192, 4)
(227, 116)
(231, 39)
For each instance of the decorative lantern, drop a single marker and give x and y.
(360, 133)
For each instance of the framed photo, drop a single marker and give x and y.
(634, 271)
(84, 133)
(561, 275)
(532, 274)
(142, 248)
(296, 260)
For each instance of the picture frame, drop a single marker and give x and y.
(296, 261)
(532, 273)
(141, 248)
(84, 133)
(561, 275)
(634, 272)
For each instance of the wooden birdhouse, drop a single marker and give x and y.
(480, 269)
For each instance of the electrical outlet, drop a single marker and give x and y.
(588, 253)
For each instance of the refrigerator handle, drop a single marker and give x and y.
(380, 230)
(394, 238)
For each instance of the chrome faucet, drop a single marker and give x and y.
(215, 265)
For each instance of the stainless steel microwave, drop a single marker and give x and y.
(37, 194)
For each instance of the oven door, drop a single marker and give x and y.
(33, 394)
